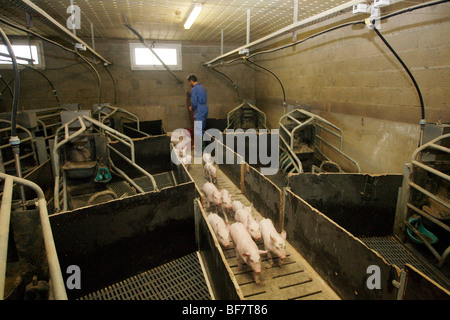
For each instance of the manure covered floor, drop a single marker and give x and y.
(295, 279)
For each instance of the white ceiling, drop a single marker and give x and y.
(164, 19)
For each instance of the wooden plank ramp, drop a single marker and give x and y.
(295, 279)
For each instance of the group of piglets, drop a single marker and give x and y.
(244, 231)
(182, 144)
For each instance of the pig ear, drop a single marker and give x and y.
(262, 251)
(272, 238)
(283, 234)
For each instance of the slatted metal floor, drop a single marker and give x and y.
(123, 188)
(397, 254)
(180, 279)
(294, 280)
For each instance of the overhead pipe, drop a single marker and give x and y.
(279, 81)
(15, 26)
(153, 51)
(63, 29)
(420, 6)
(232, 82)
(284, 30)
(44, 76)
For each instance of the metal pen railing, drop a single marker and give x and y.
(262, 119)
(112, 135)
(104, 115)
(416, 162)
(287, 136)
(49, 119)
(57, 281)
(29, 138)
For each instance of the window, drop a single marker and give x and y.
(23, 50)
(143, 59)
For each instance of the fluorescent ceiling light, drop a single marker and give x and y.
(194, 14)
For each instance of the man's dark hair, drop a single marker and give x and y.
(192, 77)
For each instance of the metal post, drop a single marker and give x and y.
(221, 42)
(5, 216)
(248, 26)
(295, 18)
(92, 37)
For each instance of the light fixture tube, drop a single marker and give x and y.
(193, 16)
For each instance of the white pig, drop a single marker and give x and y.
(274, 243)
(207, 158)
(246, 249)
(187, 160)
(211, 172)
(226, 201)
(181, 148)
(236, 205)
(212, 195)
(221, 229)
(245, 217)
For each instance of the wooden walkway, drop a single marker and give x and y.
(295, 279)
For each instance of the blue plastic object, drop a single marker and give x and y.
(103, 175)
(417, 223)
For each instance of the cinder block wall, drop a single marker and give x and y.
(351, 78)
(150, 94)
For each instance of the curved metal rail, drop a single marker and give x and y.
(49, 119)
(442, 200)
(103, 111)
(321, 124)
(112, 135)
(29, 138)
(57, 281)
(261, 115)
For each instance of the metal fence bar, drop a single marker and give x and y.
(57, 281)
(5, 216)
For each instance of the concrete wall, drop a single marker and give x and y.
(348, 76)
(351, 78)
(150, 94)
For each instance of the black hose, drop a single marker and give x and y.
(405, 67)
(279, 81)
(232, 83)
(15, 103)
(308, 38)
(13, 25)
(45, 77)
(99, 80)
(420, 6)
(114, 84)
(154, 53)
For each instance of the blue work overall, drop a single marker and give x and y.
(198, 104)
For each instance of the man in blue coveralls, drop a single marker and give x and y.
(198, 104)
